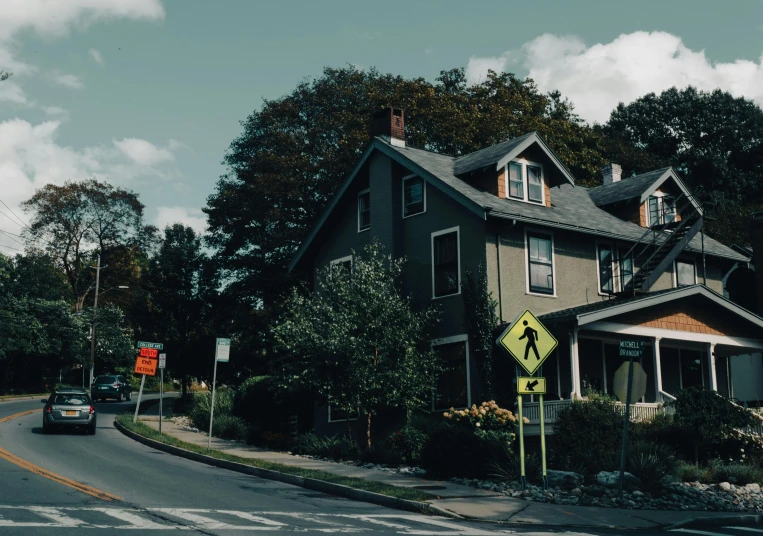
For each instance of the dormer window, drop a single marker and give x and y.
(525, 181)
(661, 208)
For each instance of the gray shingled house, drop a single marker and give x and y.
(628, 258)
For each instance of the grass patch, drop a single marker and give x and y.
(353, 482)
(45, 395)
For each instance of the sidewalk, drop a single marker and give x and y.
(461, 500)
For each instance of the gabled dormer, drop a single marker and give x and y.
(653, 199)
(522, 169)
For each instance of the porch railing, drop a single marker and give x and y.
(639, 411)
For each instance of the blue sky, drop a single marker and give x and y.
(148, 94)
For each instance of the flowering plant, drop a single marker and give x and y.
(487, 420)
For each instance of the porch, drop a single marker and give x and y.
(642, 411)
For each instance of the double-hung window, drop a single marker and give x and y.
(414, 196)
(453, 381)
(662, 209)
(540, 258)
(446, 264)
(364, 210)
(615, 269)
(524, 181)
(686, 273)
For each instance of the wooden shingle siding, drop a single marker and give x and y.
(501, 186)
(547, 193)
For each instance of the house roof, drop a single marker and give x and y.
(640, 186)
(572, 208)
(586, 314)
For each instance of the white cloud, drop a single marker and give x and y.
(56, 111)
(193, 218)
(31, 157)
(96, 56)
(67, 80)
(597, 77)
(12, 92)
(144, 153)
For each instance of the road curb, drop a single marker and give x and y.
(307, 483)
(708, 522)
(24, 397)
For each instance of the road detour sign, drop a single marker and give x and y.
(528, 341)
(146, 365)
(531, 386)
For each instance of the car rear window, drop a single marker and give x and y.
(71, 400)
(105, 379)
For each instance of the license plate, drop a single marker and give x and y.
(103, 387)
(74, 413)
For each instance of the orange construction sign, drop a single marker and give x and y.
(152, 353)
(147, 366)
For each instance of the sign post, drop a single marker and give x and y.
(162, 364)
(629, 348)
(222, 353)
(524, 339)
(145, 364)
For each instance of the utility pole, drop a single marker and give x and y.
(95, 314)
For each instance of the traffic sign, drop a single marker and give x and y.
(638, 385)
(222, 350)
(531, 386)
(151, 353)
(528, 341)
(157, 345)
(162, 361)
(144, 365)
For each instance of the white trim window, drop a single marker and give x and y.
(539, 250)
(660, 209)
(341, 416)
(615, 269)
(344, 263)
(453, 385)
(414, 196)
(364, 210)
(684, 273)
(525, 182)
(446, 262)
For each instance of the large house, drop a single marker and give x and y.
(627, 258)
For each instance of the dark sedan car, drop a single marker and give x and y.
(111, 386)
(69, 408)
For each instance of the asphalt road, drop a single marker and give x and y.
(130, 486)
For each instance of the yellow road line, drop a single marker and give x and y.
(94, 492)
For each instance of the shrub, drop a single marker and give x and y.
(276, 440)
(587, 434)
(716, 471)
(455, 451)
(229, 427)
(650, 462)
(306, 444)
(200, 407)
(407, 442)
(487, 421)
(382, 453)
(260, 401)
(336, 448)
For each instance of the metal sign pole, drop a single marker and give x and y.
(543, 444)
(140, 395)
(161, 396)
(521, 443)
(625, 425)
(212, 406)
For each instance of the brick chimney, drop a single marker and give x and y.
(390, 125)
(756, 241)
(612, 173)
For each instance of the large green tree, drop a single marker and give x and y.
(356, 342)
(712, 138)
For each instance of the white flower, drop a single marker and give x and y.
(477, 425)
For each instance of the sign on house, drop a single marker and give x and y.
(531, 386)
(528, 341)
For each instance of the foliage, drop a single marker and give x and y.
(276, 440)
(200, 407)
(717, 471)
(481, 320)
(650, 462)
(228, 427)
(587, 434)
(456, 451)
(356, 342)
(508, 467)
(407, 442)
(334, 447)
(261, 403)
(382, 453)
(486, 421)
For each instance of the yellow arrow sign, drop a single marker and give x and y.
(531, 386)
(528, 341)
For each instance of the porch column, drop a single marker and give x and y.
(574, 365)
(711, 365)
(657, 370)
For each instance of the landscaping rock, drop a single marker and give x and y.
(564, 479)
(612, 478)
(725, 486)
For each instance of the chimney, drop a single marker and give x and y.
(611, 173)
(756, 241)
(389, 124)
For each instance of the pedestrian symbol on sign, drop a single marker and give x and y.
(527, 337)
(531, 335)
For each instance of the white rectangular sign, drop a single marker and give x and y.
(162, 361)
(222, 350)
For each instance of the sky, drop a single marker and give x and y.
(149, 94)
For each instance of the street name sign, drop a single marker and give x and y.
(151, 353)
(145, 365)
(162, 361)
(157, 345)
(222, 350)
(528, 342)
(531, 386)
(632, 348)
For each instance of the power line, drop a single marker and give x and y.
(10, 247)
(16, 215)
(11, 237)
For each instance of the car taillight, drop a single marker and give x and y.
(115, 384)
(92, 409)
(48, 409)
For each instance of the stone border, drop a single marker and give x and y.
(307, 483)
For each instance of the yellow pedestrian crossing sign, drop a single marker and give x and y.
(528, 341)
(531, 386)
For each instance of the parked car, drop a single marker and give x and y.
(68, 408)
(111, 386)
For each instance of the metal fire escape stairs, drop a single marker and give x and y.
(661, 244)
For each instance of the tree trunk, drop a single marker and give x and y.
(368, 430)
